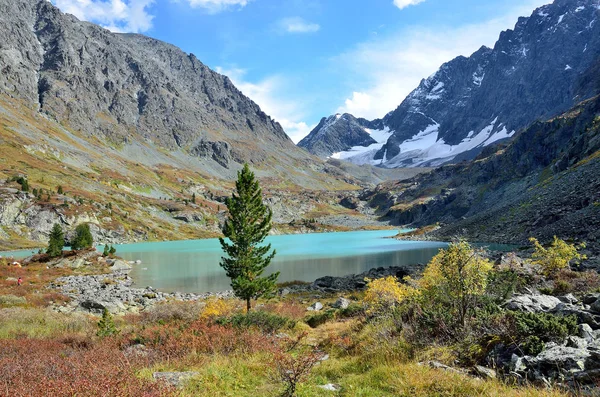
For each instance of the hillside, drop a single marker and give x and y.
(544, 183)
(134, 130)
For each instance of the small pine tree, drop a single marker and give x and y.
(247, 227)
(112, 250)
(57, 241)
(59, 190)
(106, 251)
(106, 325)
(83, 237)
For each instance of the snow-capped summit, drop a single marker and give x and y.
(338, 133)
(534, 71)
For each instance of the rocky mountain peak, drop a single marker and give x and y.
(129, 89)
(534, 71)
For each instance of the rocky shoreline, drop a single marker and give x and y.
(116, 292)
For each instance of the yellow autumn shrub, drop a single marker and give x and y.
(557, 256)
(386, 293)
(457, 276)
(217, 308)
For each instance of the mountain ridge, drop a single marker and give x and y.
(472, 102)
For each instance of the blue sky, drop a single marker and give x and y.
(301, 60)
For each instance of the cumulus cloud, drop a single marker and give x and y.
(116, 15)
(405, 3)
(383, 71)
(216, 6)
(297, 25)
(272, 95)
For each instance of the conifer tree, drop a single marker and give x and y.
(83, 237)
(247, 226)
(106, 325)
(106, 251)
(57, 241)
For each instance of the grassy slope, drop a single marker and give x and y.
(183, 337)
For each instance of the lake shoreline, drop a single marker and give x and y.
(32, 250)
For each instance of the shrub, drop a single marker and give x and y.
(547, 327)
(106, 325)
(319, 318)
(385, 293)
(37, 368)
(567, 280)
(457, 277)
(216, 308)
(266, 322)
(557, 256)
(353, 310)
(293, 368)
(503, 283)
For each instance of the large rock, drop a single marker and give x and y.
(70, 262)
(120, 266)
(532, 303)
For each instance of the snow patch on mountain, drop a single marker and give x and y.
(425, 149)
(364, 154)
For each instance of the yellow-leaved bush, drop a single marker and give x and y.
(454, 280)
(557, 256)
(385, 293)
(456, 276)
(216, 308)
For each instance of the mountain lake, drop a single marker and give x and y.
(193, 265)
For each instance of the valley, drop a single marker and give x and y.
(171, 239)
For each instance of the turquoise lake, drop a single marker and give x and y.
(193, 265)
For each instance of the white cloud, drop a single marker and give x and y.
(297, 25)
(116, 15)
(384, 71)
(405, 3)
(271, 94)
(216, 6)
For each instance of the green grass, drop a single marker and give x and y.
(41, 323)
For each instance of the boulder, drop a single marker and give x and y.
(341, 303)
(569, 298)
(586, 332)
(532, 303)
(71, 262)
(330, 387)
(315, 307)
(120, 266)
(484, 372)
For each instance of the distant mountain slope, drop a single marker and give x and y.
(544, 183)
(533, 72)
(339, 133)
(130, 90)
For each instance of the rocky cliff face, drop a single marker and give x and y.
(534, 71)
(128, 89)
